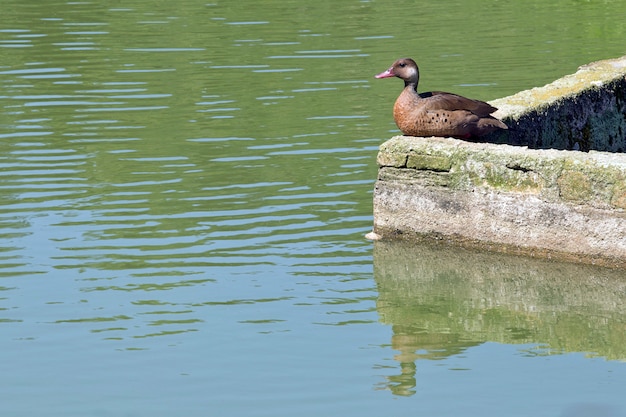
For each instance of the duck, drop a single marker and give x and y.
(437, 113)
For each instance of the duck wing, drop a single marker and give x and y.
(439, 100)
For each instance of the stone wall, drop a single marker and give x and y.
(582, 111)
(542, 202)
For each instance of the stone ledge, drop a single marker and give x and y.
(550, 203)
(597, 179)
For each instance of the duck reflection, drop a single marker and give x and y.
(442, 300)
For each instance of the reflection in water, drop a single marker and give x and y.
(442, 300)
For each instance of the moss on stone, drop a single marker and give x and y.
(618, 199)
(428, 162)
(575, 186)
(391, 159)
(499, 176)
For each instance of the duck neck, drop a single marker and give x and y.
(410, 84)
(412, 79)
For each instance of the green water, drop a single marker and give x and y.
(184, 191)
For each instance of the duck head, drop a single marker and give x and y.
(404, 68)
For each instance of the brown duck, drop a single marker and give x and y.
(437, 113)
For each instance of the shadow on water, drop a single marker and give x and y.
(441, 301)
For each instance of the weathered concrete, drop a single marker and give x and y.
(545, 202)
(566, 204)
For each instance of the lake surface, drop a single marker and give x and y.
(184, 193)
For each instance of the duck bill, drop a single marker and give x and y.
(386, 74)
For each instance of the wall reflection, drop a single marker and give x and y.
(441, 300)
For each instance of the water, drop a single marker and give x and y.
(184, 192)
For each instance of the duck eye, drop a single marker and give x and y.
(402, 64)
